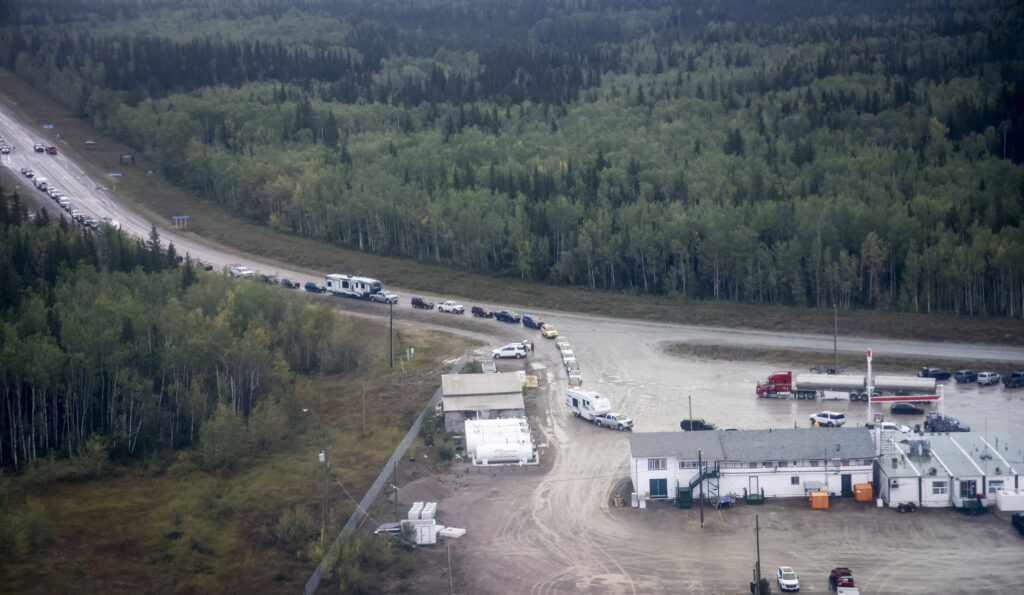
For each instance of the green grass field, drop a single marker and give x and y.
(161, 201)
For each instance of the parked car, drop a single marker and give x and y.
(289, 283)
(314, 287)
(907, 507)
(482, 312)
(511, 350)
(549, 331)
(38, 147)
(963, 376)
(384, 297)
(1018, 521)
(451, 307)
(787, 578)
(936, 373)
(905, 409)
(988, 378)
(840, 577)
(696, 425)
(888, 426)
(506, 316)
(418, 302)
(828, 419)
(209, 266)
(532, 321)
(1015, 380)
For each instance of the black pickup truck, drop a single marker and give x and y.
(1015, 380)
(936, 373)
(936, 422)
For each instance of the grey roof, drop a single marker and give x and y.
(480, 384)
(757, 445)
(484, 403)
(962, 453)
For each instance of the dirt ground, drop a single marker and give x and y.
(555, 530)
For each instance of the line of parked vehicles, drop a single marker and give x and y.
(64, 201)
(987, 378)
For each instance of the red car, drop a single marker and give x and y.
(482, 312)
(840, 577)
(418, 302)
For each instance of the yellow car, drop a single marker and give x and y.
(548, 331)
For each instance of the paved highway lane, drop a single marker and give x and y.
(97, 199)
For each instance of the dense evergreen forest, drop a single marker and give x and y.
(864, 153)
(108, 336)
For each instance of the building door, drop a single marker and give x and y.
(659, 488)
(754, 489)
(847, 485)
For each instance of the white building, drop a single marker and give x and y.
(948, 469)
(775, 463)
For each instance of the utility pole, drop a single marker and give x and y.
(323, 457)
(757, 567)
(448, 547)
(835, 337)
(364, 410)
(391, 332)
(700, 475)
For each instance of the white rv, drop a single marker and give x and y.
(586, 403)
(350, 286)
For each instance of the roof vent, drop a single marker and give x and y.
(933, 471)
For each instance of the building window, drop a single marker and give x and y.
(995, 484)
(783, 463)
(687, 464)
(794, 480)
(753, 465)
(894, 483)
(940, 487)
(656, 464)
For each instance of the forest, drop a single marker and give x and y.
(112, 348)
(866, 154)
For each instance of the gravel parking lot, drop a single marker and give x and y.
(555, 530)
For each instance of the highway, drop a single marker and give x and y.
(96, 198)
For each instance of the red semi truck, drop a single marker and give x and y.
(811, 386)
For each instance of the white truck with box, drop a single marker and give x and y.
(596, 409)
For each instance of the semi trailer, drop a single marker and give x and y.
(812, 386)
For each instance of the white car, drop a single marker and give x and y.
(828, 419)
(451, 307)
(509, 351)
(788, 580)
(988, 378)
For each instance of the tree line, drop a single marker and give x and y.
(110, 339)
(853, 154)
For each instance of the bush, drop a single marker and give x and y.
(221, 439)
(24, 531)
(294, 529)
(446, 449)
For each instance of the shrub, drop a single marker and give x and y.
(221, 439)
(294, 528)
(24, 531)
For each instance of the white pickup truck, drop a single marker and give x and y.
(244, 272)
(385, 297)
(614, 420)
(451, 307)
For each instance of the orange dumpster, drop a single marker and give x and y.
(863, 492)
(819, 500)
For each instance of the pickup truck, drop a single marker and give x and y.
(384, 297)
(532, 321)
(1015, 380)
(244, 272)
(451, 307)
(936, 422)
(614, 420)
(936, 373)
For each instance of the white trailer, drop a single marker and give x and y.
(812, 386)
(586, 403)
(352, 286)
